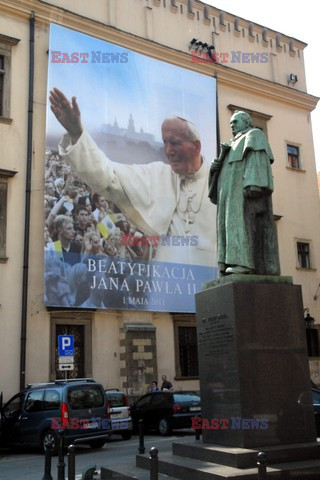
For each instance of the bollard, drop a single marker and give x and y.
(153, 463)
(61, 465)
(198, 433)
(262, 466)
(71, 462)
(47, 461)
(141, 438)
(88, 472)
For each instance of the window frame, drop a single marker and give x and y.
(71, 318)
(185, 321)
(4, 176)
(51, 407)
(298, 157)
(259, 119)
(6, 44)
(34, 407)
(299, 265)
(2, 80)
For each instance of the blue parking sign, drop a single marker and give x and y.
(66, 345)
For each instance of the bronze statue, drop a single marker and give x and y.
(241, 185)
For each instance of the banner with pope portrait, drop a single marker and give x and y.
(128, 222)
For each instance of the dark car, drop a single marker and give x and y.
(34, 416)
(118, 406)
(165, 411)
(316, 406)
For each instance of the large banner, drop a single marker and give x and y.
(128, 222)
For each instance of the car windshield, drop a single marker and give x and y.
(116, 399)
(186, 398)
(85, 397)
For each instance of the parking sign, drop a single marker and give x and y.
(66, 345)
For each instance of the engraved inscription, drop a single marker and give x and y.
(216, 336)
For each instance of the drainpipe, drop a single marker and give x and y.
(24, 302)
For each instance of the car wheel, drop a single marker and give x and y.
(126, 435)
(164, 427)
(50, 437)
(97, 443)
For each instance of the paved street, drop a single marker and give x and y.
(29, 464)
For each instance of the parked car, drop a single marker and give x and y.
(118, 405)
(165, 411)
(34, 416)
(316, 406)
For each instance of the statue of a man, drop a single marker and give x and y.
(241, 184)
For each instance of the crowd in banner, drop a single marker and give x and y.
(79, 225)
(97, 223)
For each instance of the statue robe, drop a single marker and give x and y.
(245, 226)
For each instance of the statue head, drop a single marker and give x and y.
(240, 122)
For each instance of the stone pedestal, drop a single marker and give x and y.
(253, 364)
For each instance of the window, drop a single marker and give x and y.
(34, 401)
(6, 44)
(259, 119)
(186, 349)
(51, 400)
(293, 156)
(186, 398)
(85, 397)
(162, 401)
(4, 175)
(303, 255)
(144, 402)
(1, 82)
(116, 399)
(77, 324)
(14, 406)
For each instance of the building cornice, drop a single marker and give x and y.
(227, 76)
(5, 173)
(243, 22)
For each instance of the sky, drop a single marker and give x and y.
(295, 19)
(140, 86)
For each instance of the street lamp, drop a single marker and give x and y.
(308, 319)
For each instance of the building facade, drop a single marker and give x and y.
(257, 70)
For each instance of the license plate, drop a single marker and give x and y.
(195, 409)
(116, 415)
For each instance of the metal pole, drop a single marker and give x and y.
(47, 462)
(71, 462)
(27, 210)
(141, 439)
(61, 464)
(262, 466)
(153, 463)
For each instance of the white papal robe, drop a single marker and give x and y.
(153, 198)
